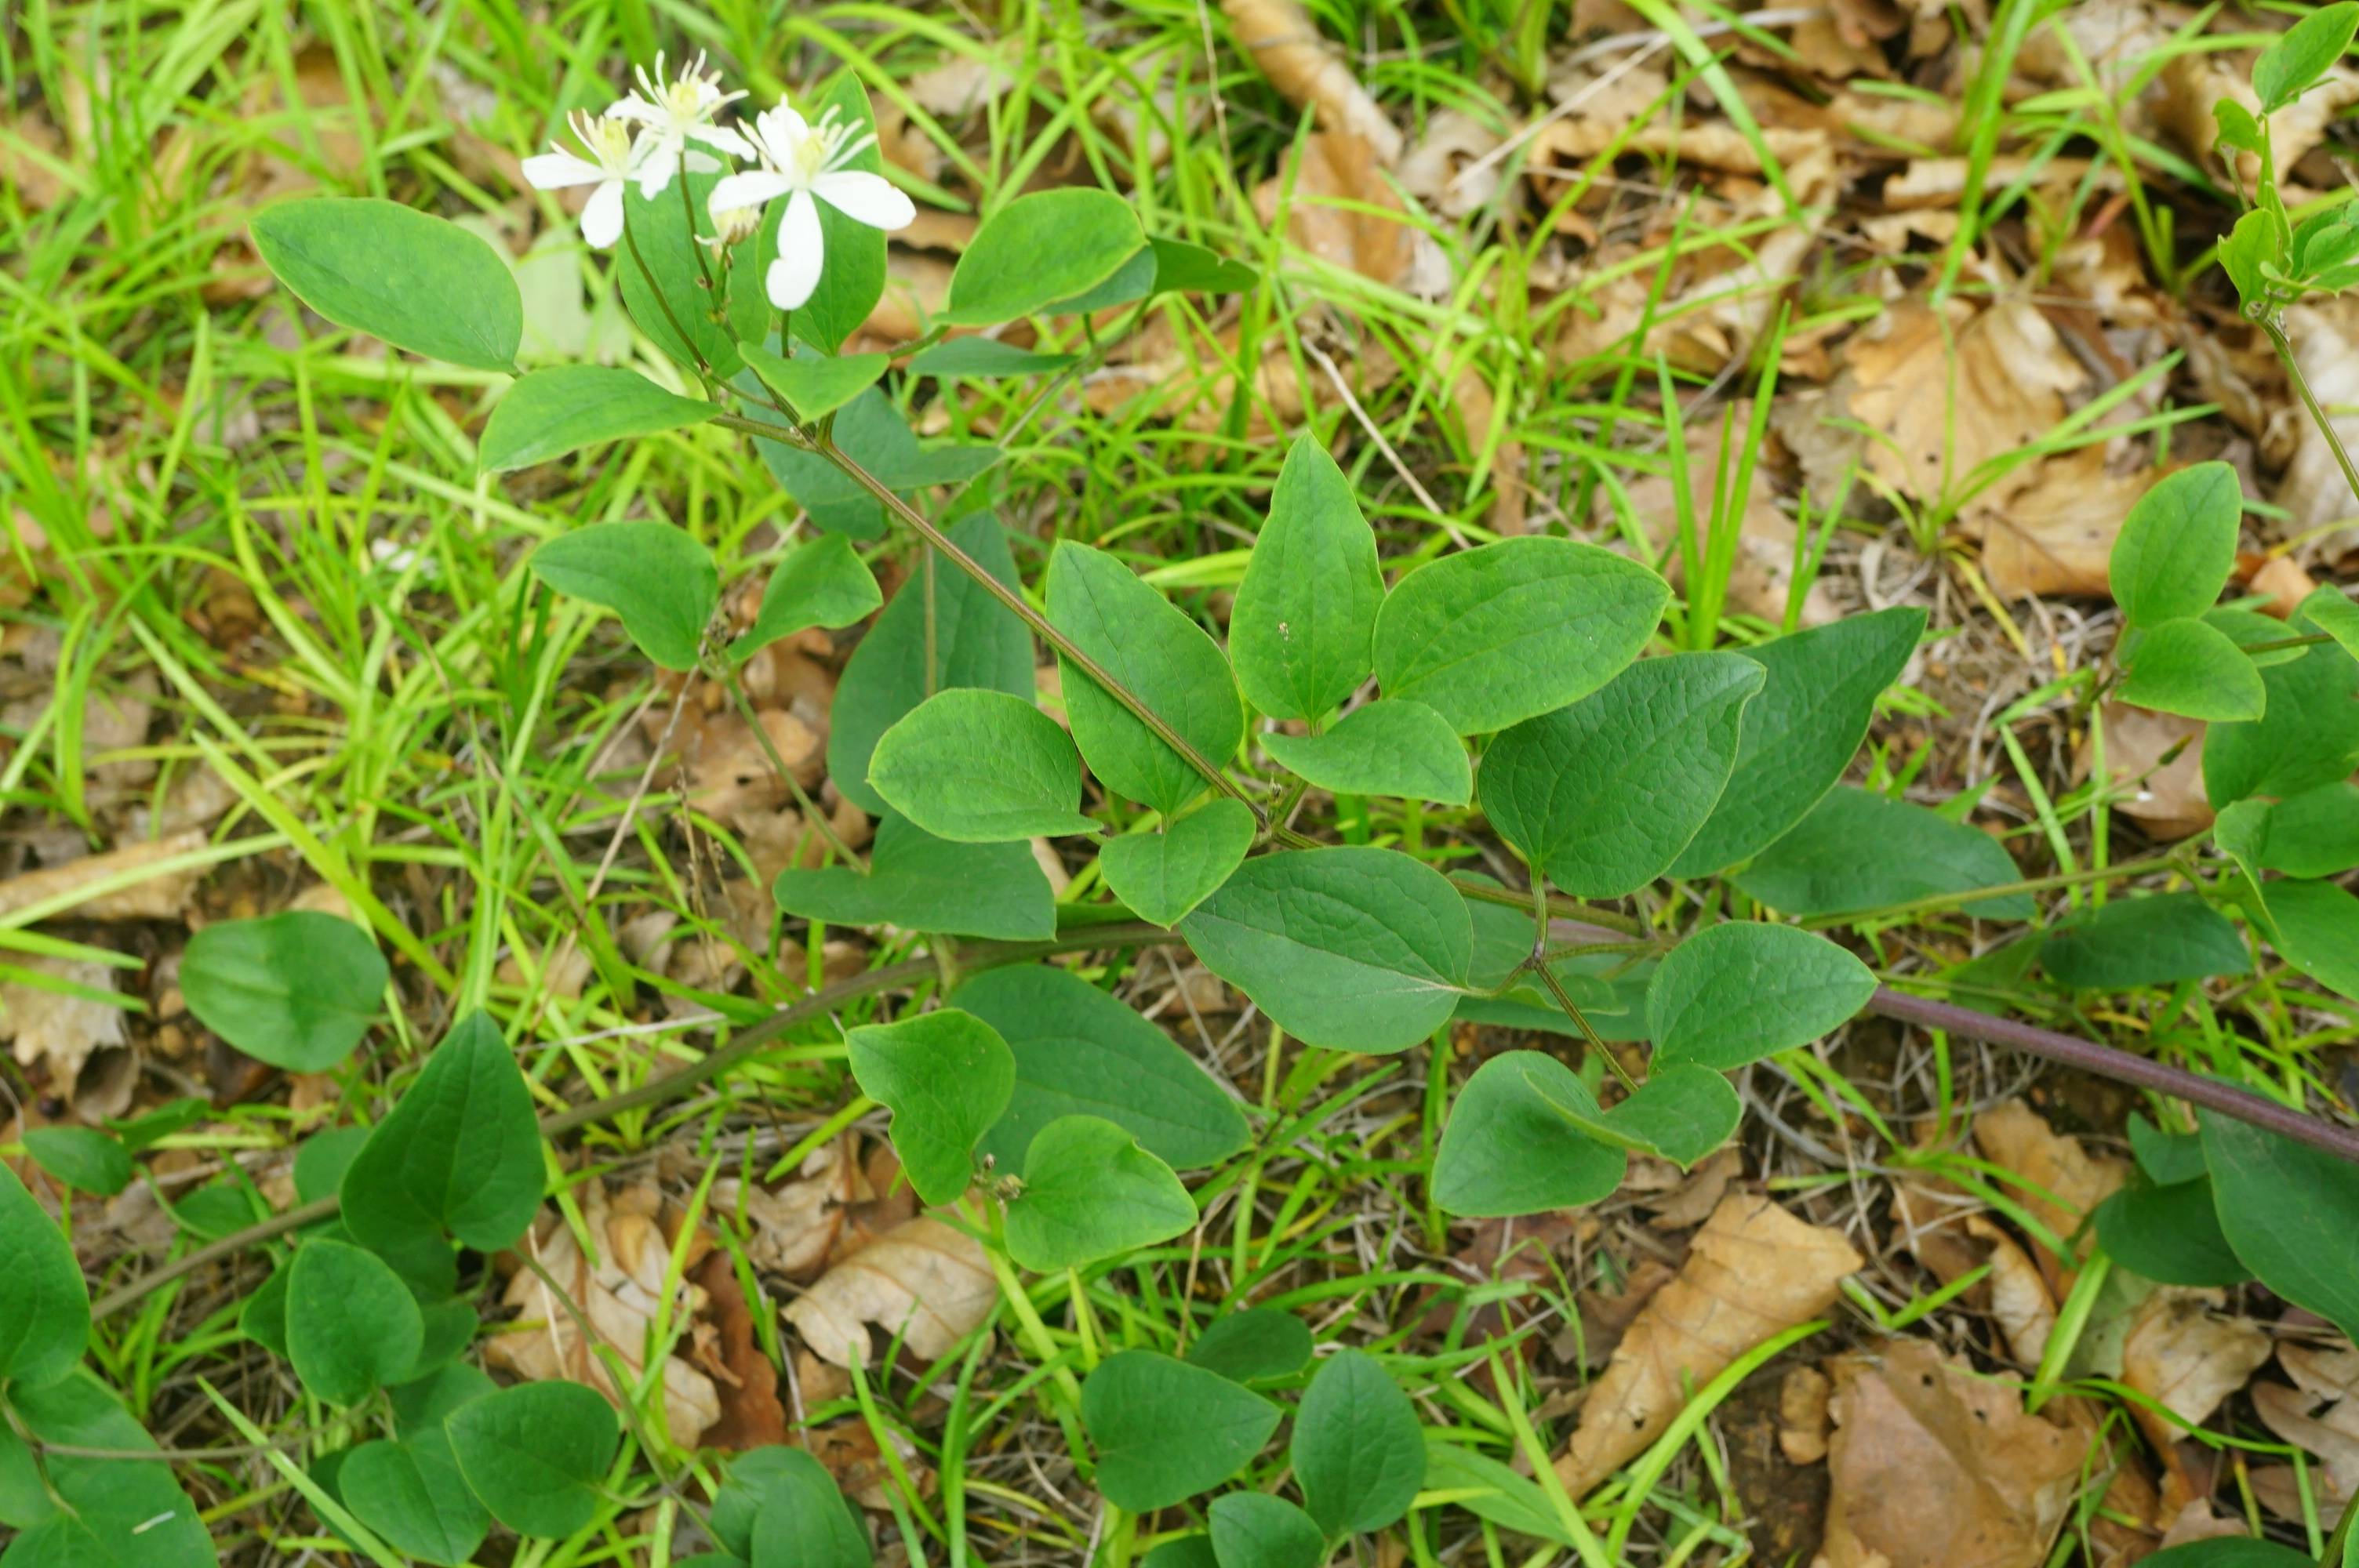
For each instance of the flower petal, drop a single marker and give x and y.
(802, 249)
(654, 172)
(634, 110)
(781, 131)
(749, 187)
(865, 198)
(556, 170)
(601, 218)
(723, 137)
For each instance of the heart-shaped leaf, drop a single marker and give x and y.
(1603, 796)
(1162, 876)
(1039, 250)
(661, 582)
(1257, 1344)
(561, 409)
(1353, 948)
(536, 1454)
(411, 1494)
(2191, 667)
(353, 1327)
(44, 1305)
(1508, 1148)
(981, 767)
(1491, 636)
(1166, 1430)
(946, 1075)
(461, 1150)
(417, 281)
(1092, 1193)
(813, 384)
(296, 989)
(1358, 1451)
(1741, 990)
(1392, 748)
(780, 1506)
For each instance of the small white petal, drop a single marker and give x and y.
(865, 198)
(750, 187)
(781, 131)
(727, 140)
(655, 174)
(801, 251)
(601, 219)
(555, 172)
(634, 109)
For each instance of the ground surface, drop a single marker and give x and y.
(263, 637)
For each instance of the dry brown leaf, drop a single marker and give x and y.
(2281, 581)
(2055, 536)
(151, 897)
(1341, 210)
(1753, 1271)
(831, 1210)
(921, 1280)
(2058, 1180)
(1934, 1467)
(2186, 1356)
(751, 1415)
(1439, 169)
(1945, 1229)
(1281, 40)
(1802, 1420)
(2318, 1413)
(2166, 799)
(619, 1294)
(77, 1041)
(1952, 400)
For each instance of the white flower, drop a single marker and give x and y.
(614, 159)
(673, 114)
(805, 163)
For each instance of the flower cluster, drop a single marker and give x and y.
(649, 136)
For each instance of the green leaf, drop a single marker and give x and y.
(1092, 1193)
(2309, 735)
(2166, 1158)
(1489, 1490)
(977, 766)
(1491, 636)
(1079, 1052)
(2313, 834)
(566, 407)
(2169, 1233)
(1509, 1150)
(822, 582)
(1254, 1529)
(1681, 1113)
(924, 883)
(2231, 1552)
(1183, 1551)
(352, 1326)
(1257, 1345)
(263, 1318)
(2277, 1201)
(1303, 628)
(81, 1157)
(779, 1506)
(1603, 796)
(1164, 658)
(44, 1305)
(815, 384)
(414, 280)
(871, 432)
(536, 1454)
(461, 1150)
(296, 989)
(1162, 876)
(2177, 546)
(1743, 989)
(985, 359)
(946, 1075)
(1800, 734)
(323, 1158)
(1183, 268)
(977, 641)
(2317, 930)
(1166, 1430)
(2303, 54)
(411, 1494)
(1133, 280)
(1357, 1450)
(2191, 667)
(131, 1514)
(1857, 850)
(2331, 610)
(2156, 940)
(661, 582)
(1038, 250)
(1392, 748)
(2255, 245)
(1352, 949)
(450, 1328)
(422, 1404)
(661, 245)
